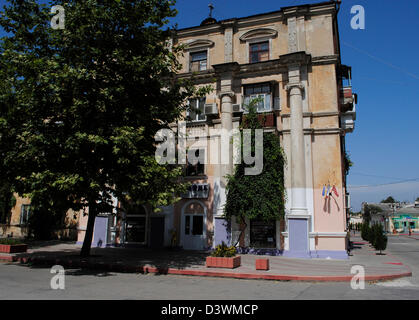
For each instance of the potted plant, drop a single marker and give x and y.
(223, 257)
(12, 246)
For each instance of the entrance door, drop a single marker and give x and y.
(193, 227)
(157, 232)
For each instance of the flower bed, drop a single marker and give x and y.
(223, 257)
(12, 246)
(223, 262)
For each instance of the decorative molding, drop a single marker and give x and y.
(328, 234)
(298, 85)
(199, 44)
(258, 33)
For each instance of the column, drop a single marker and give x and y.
(225, 75)
(298, 220)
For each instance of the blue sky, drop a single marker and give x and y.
(384, 58)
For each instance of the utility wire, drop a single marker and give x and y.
(381, 60)
(383, 184)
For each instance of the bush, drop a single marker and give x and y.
(222, 250)
(380, 239)
(10, 241)
(365, 231)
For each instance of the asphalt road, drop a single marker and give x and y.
(22, 282)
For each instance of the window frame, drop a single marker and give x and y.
(259, 43)
(197, 165)
(25, 211)
(196, 52)
(198, 101)
(248, 97)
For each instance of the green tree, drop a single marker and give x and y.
(369, 210)
(257, 196)
(7, 202)
(389, 199)
(380, 239)
(79, 106)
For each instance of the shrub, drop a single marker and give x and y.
(364, 231)
(10, 241)
(380, 239)
(222, 250)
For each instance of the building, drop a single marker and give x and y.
(291, 60)
(16, 225)
(396, 217)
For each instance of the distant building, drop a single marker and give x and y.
(396, 217)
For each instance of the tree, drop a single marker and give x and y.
(369, 210)
(257, 196)
(80, 106)
(417, 199)
(380, 239)
(7, 202)
(364, 231)
(389, 199)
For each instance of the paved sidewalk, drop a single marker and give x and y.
(144, 260)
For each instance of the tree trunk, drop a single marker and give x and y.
(87, 242)
(240, 239)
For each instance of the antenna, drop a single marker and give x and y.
(211, 7)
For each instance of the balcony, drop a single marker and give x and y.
(348, 101)
(197, 191)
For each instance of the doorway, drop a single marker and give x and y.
(193, 229)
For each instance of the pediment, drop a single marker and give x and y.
(259, 33)
(199, 43)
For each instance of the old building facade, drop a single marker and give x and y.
(290, 59)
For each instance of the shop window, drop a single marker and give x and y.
(262, 233)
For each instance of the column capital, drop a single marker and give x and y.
(295, 58)
(298, 85)
(226, 93)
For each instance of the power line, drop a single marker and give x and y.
(381, 60)
(383, 184)
(371, 175)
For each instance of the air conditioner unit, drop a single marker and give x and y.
(210, 108)
(237, 108)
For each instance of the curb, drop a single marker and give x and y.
(187, 272)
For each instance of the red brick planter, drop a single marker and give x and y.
(13, 248)
(262, 264)
(223, 262)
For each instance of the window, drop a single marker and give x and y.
(259, 52)
(261, 91)
(262, 233)
(196, 167)
(196, 110)
(198, 61)
(25, 212)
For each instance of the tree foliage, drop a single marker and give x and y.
(79, 107)
(369, 210)
(257, 196)
(389, 199)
